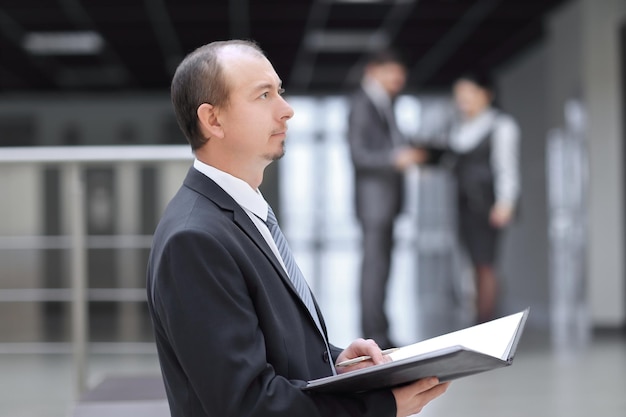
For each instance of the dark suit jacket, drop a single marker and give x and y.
(233, 337)
(379, 187)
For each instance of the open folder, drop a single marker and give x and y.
(469, 351)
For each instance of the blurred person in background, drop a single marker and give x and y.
(380, 155)
(237, 330)
(483, 152)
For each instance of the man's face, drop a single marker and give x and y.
(391, 76)
(255, 119)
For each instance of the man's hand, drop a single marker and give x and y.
(410, 399)
(409, 156)
(361, 347)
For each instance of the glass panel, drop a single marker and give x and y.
(334, 116)
(297, 182)
(316, 188)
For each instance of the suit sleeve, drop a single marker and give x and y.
(206, 313)
(505, 159)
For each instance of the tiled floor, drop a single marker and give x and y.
(544, 382)
(541, 382)
(42, 385)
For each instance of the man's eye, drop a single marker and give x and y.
(264, 95)
(281, 91)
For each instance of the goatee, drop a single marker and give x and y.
(276, 156)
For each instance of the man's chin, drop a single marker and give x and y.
(277, 155)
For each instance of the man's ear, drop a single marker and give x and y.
(208, 122)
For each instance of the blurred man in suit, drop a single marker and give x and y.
(237, 330)
(380, 155)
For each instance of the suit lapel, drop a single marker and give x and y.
(375, 111)
(209, 189)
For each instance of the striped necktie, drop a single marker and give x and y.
(295, 275)
(397, 138)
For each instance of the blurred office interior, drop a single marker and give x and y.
(90, 153)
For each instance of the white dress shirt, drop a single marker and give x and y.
(384, 105)
(377, 94)
(250, 200)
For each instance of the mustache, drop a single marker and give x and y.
(280, 130)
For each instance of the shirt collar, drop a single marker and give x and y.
(247, 197)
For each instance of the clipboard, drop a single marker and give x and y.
(447, 362)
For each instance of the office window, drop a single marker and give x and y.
(316, 202)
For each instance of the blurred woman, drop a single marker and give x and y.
(484, 143)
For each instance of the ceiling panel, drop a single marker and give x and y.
(145, 39)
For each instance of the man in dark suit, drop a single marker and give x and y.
(380, 155)
(236, 332)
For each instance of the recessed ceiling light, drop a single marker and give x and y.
(63, 43)
(361, 1)
(346, 40)
(370, 1)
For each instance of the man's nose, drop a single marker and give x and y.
(286, 110)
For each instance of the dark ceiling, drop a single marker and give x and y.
(316, 46)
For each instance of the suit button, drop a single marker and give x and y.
(325, 356)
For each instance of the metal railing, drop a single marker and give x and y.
(72, 161)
